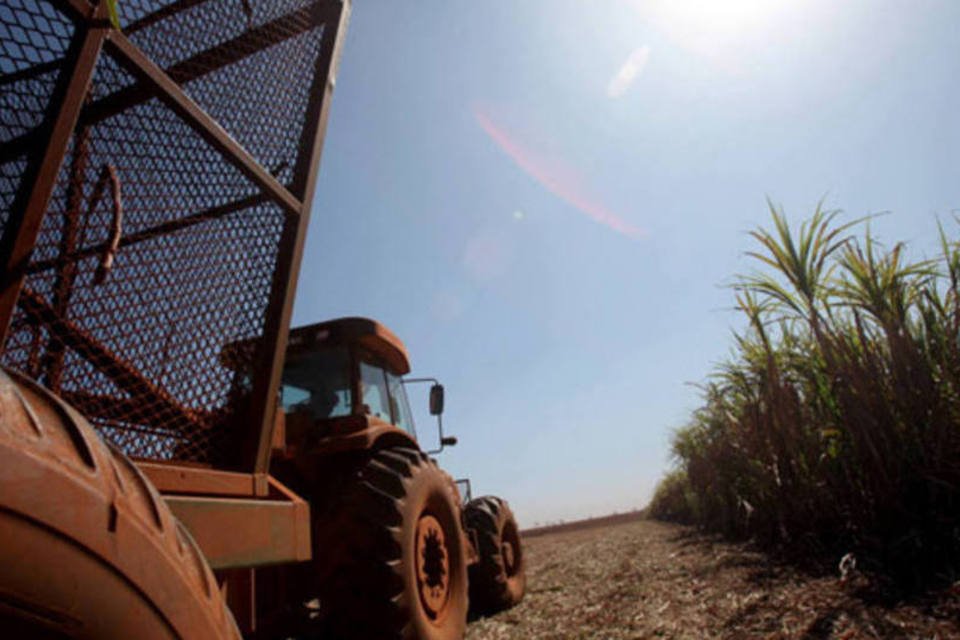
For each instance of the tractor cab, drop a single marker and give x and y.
(342, 388)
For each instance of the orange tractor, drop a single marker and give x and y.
(174, 461)
(399, 544)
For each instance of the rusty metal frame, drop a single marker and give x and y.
(181, 73)
(284, 288)
(36, 187)
(169, 91)
(125, 376)
(93, 35)
(149, 234)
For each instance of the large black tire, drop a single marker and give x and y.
(88, 549)
(390, 556)
(498, 580)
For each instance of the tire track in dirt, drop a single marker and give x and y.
(647, 579)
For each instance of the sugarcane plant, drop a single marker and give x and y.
(835, 424)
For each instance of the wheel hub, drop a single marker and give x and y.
(510, 550)
(506, 551)
(433, 566)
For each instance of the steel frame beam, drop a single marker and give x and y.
(137, 237)
(139, 65)
(35, 71)
(183, 72)
(204, 62)
(277, 327)
(122, 373)
(38, 181)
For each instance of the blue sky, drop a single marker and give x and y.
(543, 199)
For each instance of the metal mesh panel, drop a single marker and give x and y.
(199, 46)
(33, 39)
(156, 252)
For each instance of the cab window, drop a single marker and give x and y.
(400, 405)
(384, 397)
(374, 397)
(319, 383)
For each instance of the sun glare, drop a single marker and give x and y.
(713, 27)
(717, 15)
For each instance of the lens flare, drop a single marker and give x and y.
(557, 179)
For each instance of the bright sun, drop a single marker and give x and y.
(712, 26)
(718, 15)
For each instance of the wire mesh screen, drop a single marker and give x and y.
(234, 58)
(33, 40)
(156, 252)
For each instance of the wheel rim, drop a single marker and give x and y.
(510, 550)
(433, 567)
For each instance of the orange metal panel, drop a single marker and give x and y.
(239, 589)
(236, 532)
(181, 479)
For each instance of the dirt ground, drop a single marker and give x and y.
(646, 579)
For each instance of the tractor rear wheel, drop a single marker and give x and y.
(390, 553)
(89, 549)
(498, 579)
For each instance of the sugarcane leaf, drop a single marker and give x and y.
(112, 12)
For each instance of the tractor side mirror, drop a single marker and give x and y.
(448, 441)
(436, 399)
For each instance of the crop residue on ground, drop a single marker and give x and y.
(650, 580)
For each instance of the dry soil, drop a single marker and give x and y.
(646, 579)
